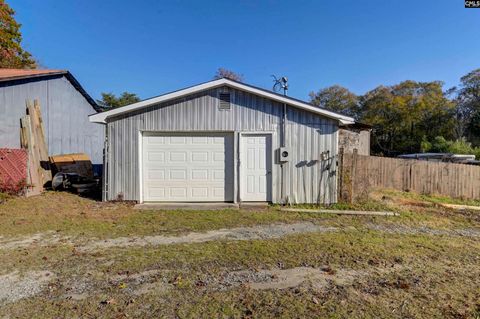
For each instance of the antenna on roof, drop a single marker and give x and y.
(280, 84)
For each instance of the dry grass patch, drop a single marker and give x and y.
(75, 216)
(351, 274)
(412, 266)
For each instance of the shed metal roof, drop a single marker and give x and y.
(13, 75)
(102, 117)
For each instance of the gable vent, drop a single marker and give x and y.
(224, 98)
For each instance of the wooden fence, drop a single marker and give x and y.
(359, 174)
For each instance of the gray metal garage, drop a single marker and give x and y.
(221, 141)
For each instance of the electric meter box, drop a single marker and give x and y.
(284, 154)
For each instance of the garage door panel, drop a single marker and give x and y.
(218, 175)
(182, 167)
(156, 192)
(218, 192)
(154, 139)
(199, 140)
(156, 156)
(178, 174)
(200, 192)
(217, 140)
(156, 174)
(178, 156)
(177, 140)
(199, 156)
(187, 193)
(199, 174)
(218, 156)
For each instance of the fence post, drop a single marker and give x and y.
(340, 175)
(352, 174)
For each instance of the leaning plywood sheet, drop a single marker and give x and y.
(40, 144)
(32, 138)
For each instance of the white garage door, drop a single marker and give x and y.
(189, 167)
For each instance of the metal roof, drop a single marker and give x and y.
(14, 75)
(102, 117)
(443, 157)
(357, 125)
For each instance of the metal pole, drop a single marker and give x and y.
(284, 143)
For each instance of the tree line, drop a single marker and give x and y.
(407, 117)
(413, 117)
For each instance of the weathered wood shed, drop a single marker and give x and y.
(65, 108)
(355, 136)
(221, 141)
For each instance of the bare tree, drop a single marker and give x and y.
(228, 74)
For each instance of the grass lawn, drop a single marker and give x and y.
(423, 264)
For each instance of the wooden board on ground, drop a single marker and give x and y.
(460, 207)
(339, 212)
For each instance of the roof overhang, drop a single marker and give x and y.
(102, 117)
(358, 126)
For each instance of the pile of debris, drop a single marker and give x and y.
(74, 172)
(32, 169)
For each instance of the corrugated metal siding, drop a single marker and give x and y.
(65, 115)
(308, 179)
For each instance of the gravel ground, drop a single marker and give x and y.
(240, 233)
(40, 239)
(14, 286)
(405, 230)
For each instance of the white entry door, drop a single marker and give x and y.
(256, 167)
(187, 167)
